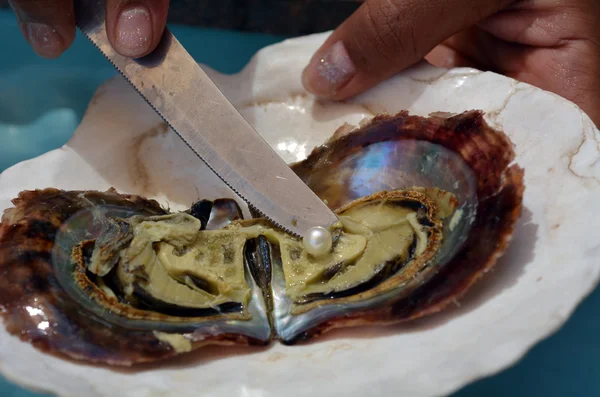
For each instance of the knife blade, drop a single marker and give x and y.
(179, 90)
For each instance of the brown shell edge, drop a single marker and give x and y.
(500, 192)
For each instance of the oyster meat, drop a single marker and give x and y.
(426, 206)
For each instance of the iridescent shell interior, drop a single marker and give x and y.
(49, 298)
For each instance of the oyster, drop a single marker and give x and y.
(427, 205)
(51, 300)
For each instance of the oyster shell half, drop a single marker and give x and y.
(50, 299)
(427, 205)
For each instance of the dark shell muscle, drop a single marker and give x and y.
(49, 299)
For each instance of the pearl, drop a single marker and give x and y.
(317, 241)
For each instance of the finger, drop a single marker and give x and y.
(571, 70)
(467, 48)
(542, 27)
(48, 25)
(484, 51)
(385, 36)
(445, 56)
(135, 27)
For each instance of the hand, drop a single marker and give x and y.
(134, 28)
(552, 44)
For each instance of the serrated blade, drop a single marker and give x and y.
(184, 96)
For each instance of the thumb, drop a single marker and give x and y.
(135, 27)
(384, 37)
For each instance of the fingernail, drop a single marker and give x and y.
(44, 39)
(326, 74)
(134, 31)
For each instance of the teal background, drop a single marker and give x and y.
(41, 103)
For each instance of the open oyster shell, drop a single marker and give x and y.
(459, 154)
(116, 279)
(552, 137)
(49, 299)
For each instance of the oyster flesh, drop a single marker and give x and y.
(426, 206)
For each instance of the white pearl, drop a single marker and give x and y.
(317, 241)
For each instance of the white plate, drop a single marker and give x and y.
(551, 265)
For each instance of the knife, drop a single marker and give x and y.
(179, 90)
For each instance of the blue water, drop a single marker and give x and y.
(41, 103)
